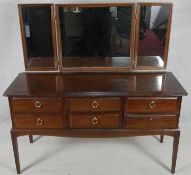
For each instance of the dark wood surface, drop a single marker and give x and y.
(152, 105)
(87, 85)
(100, 120)
(42, 121)
(151, 121)
(26, 105)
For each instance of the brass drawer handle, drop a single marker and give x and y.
(39, 122)
(95, 121)
(152, 104)
(95, 104)
(150, 118)
(38, 104)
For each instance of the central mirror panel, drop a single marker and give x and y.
(153, 32)
(95, 37)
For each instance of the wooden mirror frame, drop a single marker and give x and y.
(28, 67)
(95, 69)
(166, 47)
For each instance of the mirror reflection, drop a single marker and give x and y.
(95, 36)
(38, 33)
(153, 26)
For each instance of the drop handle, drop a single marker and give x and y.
(39, 122)
(95, 121)
(38, 104)
(95, 104)
(152, 104)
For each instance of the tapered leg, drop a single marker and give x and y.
(15, 150)
(31, 138)
(161, 138)
(175, 151)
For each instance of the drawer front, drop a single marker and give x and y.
(94, 121)
(36, 105)
(94, 104)
(151, 122)
(33, 121)
(151, 105)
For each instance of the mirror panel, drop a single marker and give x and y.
(37, 36)
(153, 32)
(95, 36)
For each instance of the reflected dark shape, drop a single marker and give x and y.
(38, 33)
(152, 35)
(95, 32)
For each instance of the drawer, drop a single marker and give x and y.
(151, 121)
(20, 105)
(94, 121)
(94, 104)
(151, 105)
(42, 121)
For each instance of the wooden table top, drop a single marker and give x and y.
(95, 84)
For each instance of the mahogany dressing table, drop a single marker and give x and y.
(96, 86)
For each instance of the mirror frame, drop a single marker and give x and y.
(94, 68)
(166, 47)
(24, 44)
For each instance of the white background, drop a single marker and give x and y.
(12, 63)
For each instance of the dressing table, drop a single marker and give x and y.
(102, 73)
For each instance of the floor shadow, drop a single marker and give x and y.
(36, 138)
(157, 138)
(49, 153)
(70, 142)
(150, 155)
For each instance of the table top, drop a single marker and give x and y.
(95, 84)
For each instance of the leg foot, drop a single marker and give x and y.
(15, 150)
(175, 151)
(31, 138)
(161, 138)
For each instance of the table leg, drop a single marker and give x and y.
(15, 150)
(175, 150)
(161, 138)
(31, 139)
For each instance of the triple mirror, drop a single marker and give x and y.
(95, 37)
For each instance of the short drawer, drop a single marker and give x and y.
(42, 121)
(151, 121)
(94, 104)
(151, 105)
(94, 121)
(20, 105)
